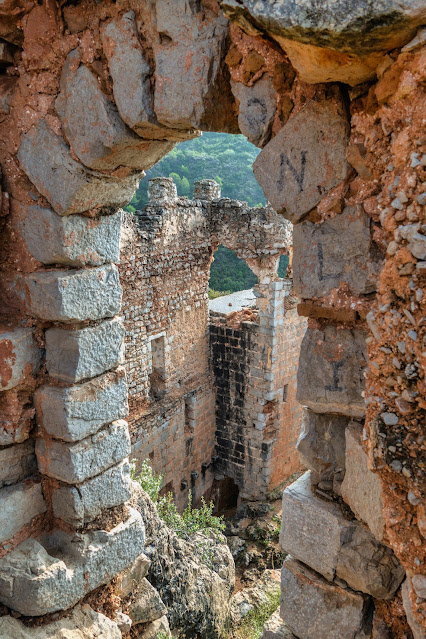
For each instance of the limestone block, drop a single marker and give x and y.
(257, 108)
(333, 41)
(73, 463)
(276, 628)
(146, 604)
(20, 357)
(156, 629)
(17, 462)
(73, 413)
(80, 505)
(81, 623)
(321, 444)
(189, 60)
(316, 532)
(19, 504)
(74, 240)
(75, 355)
(312, 607)
(361, 488)
(407, 593)
(333, 253)
(94, 129)
(330, 377)
(65, 183)
(304, 160)
(34, 582)
(72, 296)
(128, 580)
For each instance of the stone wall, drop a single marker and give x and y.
(257, 416)
(94, 93)
(166, 251)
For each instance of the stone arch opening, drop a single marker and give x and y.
(66, 169)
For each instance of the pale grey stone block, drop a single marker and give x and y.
(75, 355)
(72, 296)
(314, 608)
(316, 532)
(334, 253)
(34, 582)
(257, 108)
(97, 134)
(80, 505)
(21, 357)
(66, 184)
(128, 580)
(74, 240)
(76, 462)
(361, 488)
(321, 445)
(276, 628)
(18, 505)
(73, 413)
(81, 623)
(146, 604)
(330, 377)
(406, 590)
(17, 462)
(296, 170)
(158, 628)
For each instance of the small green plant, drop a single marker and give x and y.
(252, 625)
(191, 521)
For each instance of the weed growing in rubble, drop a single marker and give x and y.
(191, 521)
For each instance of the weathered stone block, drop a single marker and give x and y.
(158, 628)
(304, 160)
(20, 355)
(76, 462)
(146, 604)
(128, 580)
(316, 532)
(330, 377)
(334, 253)
(17, 462)
(75, 355)
(276, 628)
(312, 607)
(74, 240)
(361, 488)
(257, 108)
(81, 623)
(33, 582)
(73, 413)
(72, 296)
(66, 184)
(321, 445)
(80, 505)
(94, 129)
(407, 591)
(19, 504)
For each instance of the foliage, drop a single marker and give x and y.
(214, 294)
(191, 521)
(252, 625)
(228, 159)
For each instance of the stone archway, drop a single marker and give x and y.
(92, 95)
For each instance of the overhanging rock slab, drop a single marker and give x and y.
(73, 413)
(34, 582)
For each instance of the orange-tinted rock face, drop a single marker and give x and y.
(192, 69)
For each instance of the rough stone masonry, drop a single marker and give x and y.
(91, 95)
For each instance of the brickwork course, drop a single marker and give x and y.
(91, 95)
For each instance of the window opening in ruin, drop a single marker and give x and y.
(229, 274)
(283, 266)
(189, 409)
(285, 393)
(158, 366)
